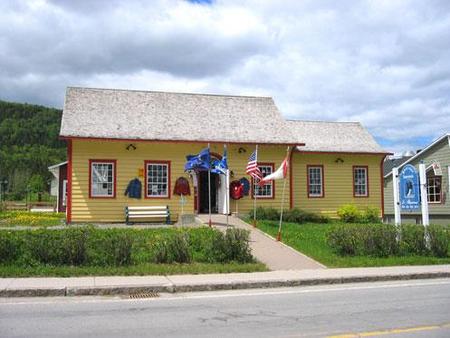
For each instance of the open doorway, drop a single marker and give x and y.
(203, 206)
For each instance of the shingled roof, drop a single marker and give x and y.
(321, 136)
(148, 115)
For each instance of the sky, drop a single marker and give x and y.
(384, 63)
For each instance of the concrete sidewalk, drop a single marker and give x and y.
(275, 255)
(81, 286)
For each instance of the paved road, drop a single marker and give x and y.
(398, 309)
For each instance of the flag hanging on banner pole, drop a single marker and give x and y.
(253, 170)
(279, 174)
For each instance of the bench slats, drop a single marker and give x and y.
(147, 212)
(147, 208)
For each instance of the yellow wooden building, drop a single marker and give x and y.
(117, 137)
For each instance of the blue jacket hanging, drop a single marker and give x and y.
(134, 189)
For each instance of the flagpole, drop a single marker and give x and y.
(282, 201)
(254, 191)
(227, 187)
(209, 187)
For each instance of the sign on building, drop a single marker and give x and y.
(409, 188)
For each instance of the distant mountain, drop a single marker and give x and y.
(28, 145)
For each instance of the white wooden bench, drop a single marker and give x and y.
(147, 212)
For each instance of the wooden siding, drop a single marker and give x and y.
(440, 153)
(338, 181)
(85, 209)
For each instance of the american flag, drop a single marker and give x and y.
(252, 167)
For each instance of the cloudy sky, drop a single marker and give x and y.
(384, 63)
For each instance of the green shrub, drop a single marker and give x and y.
(412, 239)
(379, 240)
(345, 239)
(349, 213)
(109, 247)
(363, 239)
(294, 215)
(269, 214)
(439, 240)
(9, 247)
(370, 215)
(89, 246)
(174, 248)
(237, 246)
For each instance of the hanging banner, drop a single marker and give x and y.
(409, 188)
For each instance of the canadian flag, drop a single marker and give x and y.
(279, 174)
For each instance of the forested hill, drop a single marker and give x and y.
(28, 145)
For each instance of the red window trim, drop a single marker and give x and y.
(271, 164)
(367, 180)
(114, 162)
(168, 180)
(441, 196)
(322, 180)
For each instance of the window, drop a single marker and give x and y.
(434, 189)
(267, 190)
(360, 182)
(157, 179)
(102, 178)
(315, 181)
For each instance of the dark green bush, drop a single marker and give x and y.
(89, 246)
(233, 246)
(174, 248)
(379, 240)
(294, 215)
(412, 239)
(345, 239)
(9, 247)
(363, 239)
(439, 240)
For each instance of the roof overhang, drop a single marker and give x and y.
(422, 152)
(174, 141)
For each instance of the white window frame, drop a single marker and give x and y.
(108, 180)
(154, 183)
(320, 184)
(266, 169)
(429, 186)
(357, 184)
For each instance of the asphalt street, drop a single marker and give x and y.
(418, 308)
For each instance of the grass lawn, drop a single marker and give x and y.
(33, 219)
(133, 270)
(310, 239)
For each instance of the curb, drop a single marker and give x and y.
(195, 287)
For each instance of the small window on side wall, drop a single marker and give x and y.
(315, 181)
(157, 179)
(102, 178)
(434, 189)
(360, 181)
(267, 190)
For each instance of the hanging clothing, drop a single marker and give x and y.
(134, 189)
(236, 190)
(182, 187)
(246, 185)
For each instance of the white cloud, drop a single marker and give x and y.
(384, 63)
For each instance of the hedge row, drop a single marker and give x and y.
(90, 246)
(350, 213)
(293, 215)
(383, 240)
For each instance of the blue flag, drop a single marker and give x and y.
(202, 161)
(220, 166)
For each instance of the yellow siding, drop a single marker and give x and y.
(85, 209)
(338, 181)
